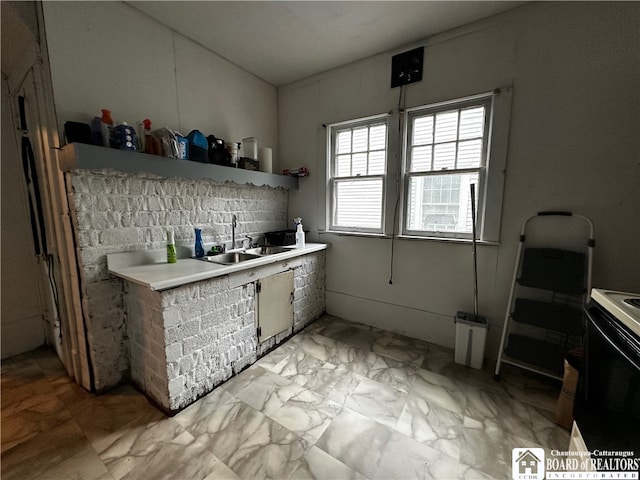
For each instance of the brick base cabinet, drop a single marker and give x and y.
(187, 340)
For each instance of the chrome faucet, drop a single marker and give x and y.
(234, 224)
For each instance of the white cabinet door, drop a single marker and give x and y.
(275, 304)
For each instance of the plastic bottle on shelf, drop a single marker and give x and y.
(106, 125)
(300, 240)
(172, 256)
(124, 137)
(148, 142)
(96, 131)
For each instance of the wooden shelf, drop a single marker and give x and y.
(91, 157)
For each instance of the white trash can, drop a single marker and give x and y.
(471, 337)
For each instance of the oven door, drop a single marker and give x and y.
(608, 409)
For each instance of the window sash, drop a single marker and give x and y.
(355, 172)
(359, 220)
(462, 212)
(414, 217)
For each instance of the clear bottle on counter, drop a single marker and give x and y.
(300, 240)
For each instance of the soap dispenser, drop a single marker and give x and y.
(299, 233)
(199, 248)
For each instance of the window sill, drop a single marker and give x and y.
(353, 234)
(448, 240)
(408, 237)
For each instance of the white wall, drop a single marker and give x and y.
(21, 312)
(573, 146)
(109, 55)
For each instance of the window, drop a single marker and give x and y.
(442, 150)
(357, 174)
(446, 151)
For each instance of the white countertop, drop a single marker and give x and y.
(150, 269)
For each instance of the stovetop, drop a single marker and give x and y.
(624, 306)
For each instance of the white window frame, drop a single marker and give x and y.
(394, 203)
(490, 185)
(431, 110)
(333, 180)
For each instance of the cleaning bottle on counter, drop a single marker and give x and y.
(148, 141)
(299, 233)
(199, 248)
(106, 125)
(172, 256)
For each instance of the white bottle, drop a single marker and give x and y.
(299, 234)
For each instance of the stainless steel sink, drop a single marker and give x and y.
(267, 250)
(230, 258)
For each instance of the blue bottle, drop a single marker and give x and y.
(199, 247)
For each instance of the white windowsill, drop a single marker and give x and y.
(408, 237)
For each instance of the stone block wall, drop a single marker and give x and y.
(187, 340)
(115, 212)
(309, 290)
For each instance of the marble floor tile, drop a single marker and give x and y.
(268, 392)
(545, 431)
(274, 357)
(319, 346)
(20, 425)
(405, 458)
(487, 448)
(511, 415)
(257, 447)
(379, 402)
(401, 349)
(353, 334)
(133, 446)
(19, 370)
(319, 465)
(307, 414)
(69, 392)
(339, 400)
(529, 388)
(321, 323)
(242, 380)
(61, 451)
(432, 425)
(51, 366)
(336, 382)
(355, 440)
(465, 472)
(390, 372)
(182, 457)
(439, 389)
(441, 361)
(26, 395)
(105, 418)
(298, 367)
(207, 413)
(354, 358)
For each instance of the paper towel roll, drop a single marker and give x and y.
(264, 157)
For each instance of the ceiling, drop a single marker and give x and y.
(285, 41)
